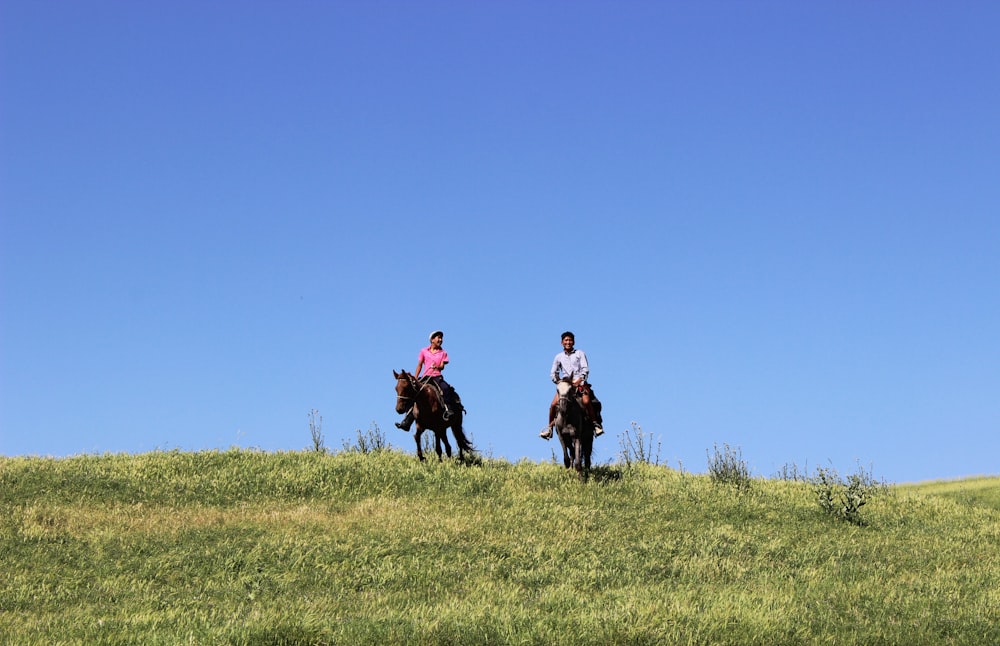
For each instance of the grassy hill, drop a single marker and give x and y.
(246, 547)
(981, 492)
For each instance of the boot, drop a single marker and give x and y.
(598, 428)
(406, 423)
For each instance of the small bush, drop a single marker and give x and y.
(637, 447)
(844, 499)
(726, 466)
(790, 473)
(316, 431)
(370, 441)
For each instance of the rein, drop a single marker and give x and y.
(410, 384)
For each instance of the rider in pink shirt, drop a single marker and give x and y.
(432, 361)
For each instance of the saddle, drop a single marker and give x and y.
(446, 402)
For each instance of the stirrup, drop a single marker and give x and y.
(546, 433)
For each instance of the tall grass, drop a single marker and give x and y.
(246, 547)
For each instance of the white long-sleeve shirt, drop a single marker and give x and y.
(570, 364)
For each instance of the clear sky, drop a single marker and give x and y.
(773, 225)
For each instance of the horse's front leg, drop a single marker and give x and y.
(416, 436)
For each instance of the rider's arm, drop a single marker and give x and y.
(584, 367)
(554, 373)
(420, 364)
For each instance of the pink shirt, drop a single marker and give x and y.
(432, 359)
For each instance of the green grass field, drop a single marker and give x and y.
(246, 547)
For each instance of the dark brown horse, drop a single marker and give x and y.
(576, 432)
(428, 413)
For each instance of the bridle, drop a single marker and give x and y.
(568, 398)
(410, 379)
(409, 384)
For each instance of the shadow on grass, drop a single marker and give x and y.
(469, 459)
(605, 474)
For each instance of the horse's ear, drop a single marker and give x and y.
(395, 374)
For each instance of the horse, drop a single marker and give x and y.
(576, 432)
(428, 413)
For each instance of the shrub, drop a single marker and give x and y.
(844, 499)
(368, 441)
(316, 430)
(791, 473)
(728, 467)
(637, 447)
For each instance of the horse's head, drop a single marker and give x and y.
(406, 392)
(564, 387)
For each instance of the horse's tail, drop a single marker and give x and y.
(460, 438)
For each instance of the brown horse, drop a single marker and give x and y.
(576, 432)
(428, 413)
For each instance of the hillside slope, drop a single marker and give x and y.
(247, 547)
(980, 491)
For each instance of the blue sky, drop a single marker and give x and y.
(772, 225)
